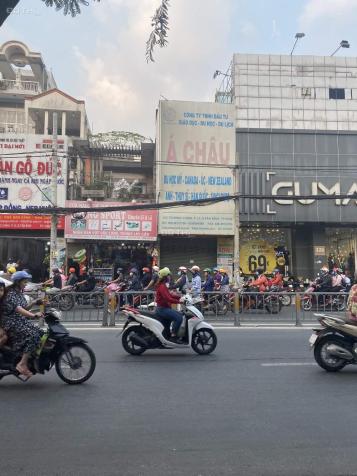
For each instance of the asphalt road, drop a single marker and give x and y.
(257, 406)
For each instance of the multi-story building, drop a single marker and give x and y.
(296, 131)
(28, 99)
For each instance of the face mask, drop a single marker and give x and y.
(179, 273)
(131, 274)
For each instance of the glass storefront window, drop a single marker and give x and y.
(341, 248)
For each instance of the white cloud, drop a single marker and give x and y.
(122, 91)
(248, 30)
(317, 10)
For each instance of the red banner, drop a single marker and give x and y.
(27, 222)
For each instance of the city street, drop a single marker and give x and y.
(257, 406)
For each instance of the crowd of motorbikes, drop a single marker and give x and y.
(327, 291)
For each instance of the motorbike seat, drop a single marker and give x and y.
(149, 314)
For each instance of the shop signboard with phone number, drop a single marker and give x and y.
(121, 225)
(257, 254)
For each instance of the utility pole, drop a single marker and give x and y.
(53, 240)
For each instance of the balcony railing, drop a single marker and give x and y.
(16, 128)
(21, 87)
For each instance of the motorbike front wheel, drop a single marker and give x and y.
(130, 346)
(204, 341)
(76, 364)
(326, 361)
(307, 304)
(66, 302)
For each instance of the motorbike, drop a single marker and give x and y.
(271, 300)
(325, 301)
(67, 300)
(334, 344)
(72, 358)
(143, 330)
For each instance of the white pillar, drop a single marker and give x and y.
(64, 117)
(81, 134)
(46, 124)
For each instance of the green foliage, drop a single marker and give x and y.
(160, 24)
(70, 7)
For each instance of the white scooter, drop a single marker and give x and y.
(143, 330)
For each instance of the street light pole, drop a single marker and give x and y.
(54, 220)
(297, 38)
(343, 44)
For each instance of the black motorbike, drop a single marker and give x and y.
(72, 358)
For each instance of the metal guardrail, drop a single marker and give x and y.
(293, 308)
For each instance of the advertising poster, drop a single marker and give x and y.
(225, 254)
(116, 225)
(257, 254)
(26, 177)
(195, 160)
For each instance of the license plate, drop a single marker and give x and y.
(312, 339)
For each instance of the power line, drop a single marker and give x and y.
(184, 203)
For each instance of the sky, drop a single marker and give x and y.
(99, 56)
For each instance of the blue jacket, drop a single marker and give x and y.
(208, 285)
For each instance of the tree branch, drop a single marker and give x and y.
(160, 24)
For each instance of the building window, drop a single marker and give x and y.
(337, 93)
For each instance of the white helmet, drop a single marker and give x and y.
(183, 269)
(195, 269)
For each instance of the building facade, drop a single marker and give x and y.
(28, 98)
(296, 129)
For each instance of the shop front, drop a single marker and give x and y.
(195, 159)
(300, 169)
(106, 241)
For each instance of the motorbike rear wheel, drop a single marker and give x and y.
(129, 346)
(307, 304)
(285, 299)
(76, 365)
(324, 359)
(204, 341)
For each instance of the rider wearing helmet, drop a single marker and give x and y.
(208, 284)
(72, 278)
(56, 280)
(260, 281)
(154, 278)
(217, 278)
(87, 283)
(225, 280)
(24, 337)
(164, 299)
(324, 282)
(134, 281)
(277, 279)
(146, 278)
(181, 283)
(196, 283)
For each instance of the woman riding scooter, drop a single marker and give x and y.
(23, 335)
(164, 300)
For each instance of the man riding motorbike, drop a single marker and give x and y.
(261, 281)
(154, 279)
(72, 278)
(23, 336)
(56, 281)
(181, 283)
(196, 283)
(146, 278)
(87, 283)
(225, 281)
(164, 299)
(208, 284)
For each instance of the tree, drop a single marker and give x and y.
(69, 7)
(160, 24)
